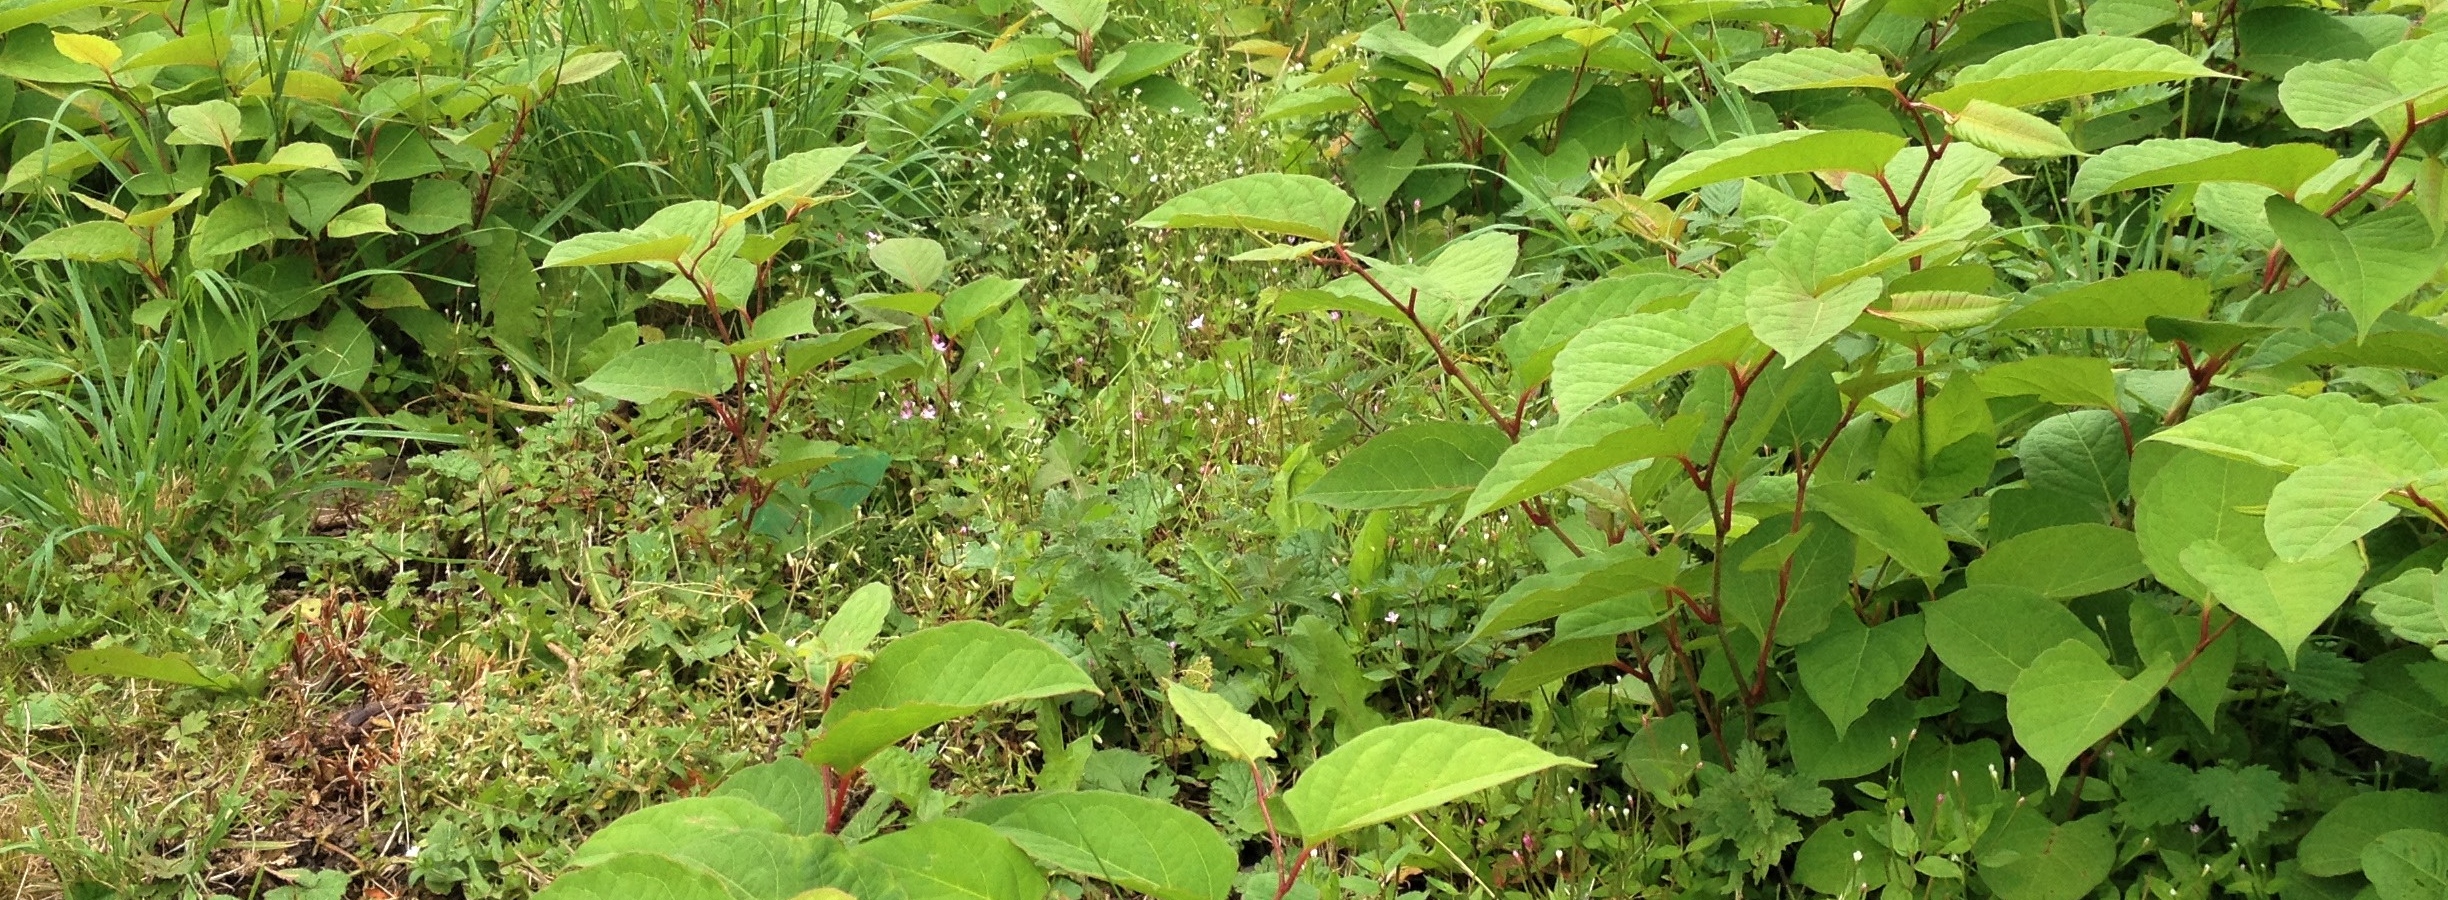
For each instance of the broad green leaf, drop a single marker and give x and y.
(956, 859)
(1812, 569)
(2066, 68)
(1301, 206)
(1989, 635)
(2401, 707)
(664, 369)
(2069, 699)
(1945, 449)
(343, 351)
(1531, 344)
(1824, 248)
(1553, 662)
(1793, 321)
(638, 876)
(2010, 132)
(2369, 265)
(360, 220)
(1414, 465)
(585, 67)
(2062, 380)
(1631, 352)
(964, 306)
(291, 158)
(2339, 93)
(93, 242)
(1551, 457)
(604, 248)
(2168, 161)
(748, 848)
(1849, 666)
(2415, 606)
(1776, 153)
(212, 123)
(1928, 312)
(1226, 730)
(2203, 685)
(2323, 507)
(664, 826)
(2289, 432)
(2335, 844)
(934, 676)
(2026, 857)
(787, 787)
(1812, 68)
(1465, 272)
(2078, 454)
(2124, 303)
(2062, 562)
(1081, 16)
(1887, 521)
(2408, 864)
(2288, 600)
(93, 50)
(793, 180)
(1396, 770)
(1624, 569)
(915, 262)
(166, 668)
(1144, 845)
(2196, 496)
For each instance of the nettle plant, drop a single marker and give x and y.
(324, 161)
(1846, 501)
(783, 830)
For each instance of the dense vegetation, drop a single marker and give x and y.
(746, 449)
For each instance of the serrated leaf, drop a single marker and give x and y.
(2066, 68)
(1414, 465)
(2246, 801)
(2069, 699)
(2287, 600)
(1776, 153)
(2171, 161)
(1226, 730)
(1302, 206)
(934, 676)
(1812, 68)
(1396, 770)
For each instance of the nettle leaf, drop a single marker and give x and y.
(1302, 206)
(2062, 562)
(2323, 507)
(1395, 770)
(1138, 843)
(1549, 458)
(937, 675)
(1849, 665)
(1225, 730)
(2010, 132)
(956, 859)
(1631, 352)
(2408, 864)
(1414, 465)
(2369, 265)
(1812, 68)
(2246, 801)
(1887, 521)
(2066, 68)
(664, 369)
(1990, 635)
(2069, 698)
(1776, 153)
(2169, 161)
(2124, 303)
(2336, 843)
(2287, 600)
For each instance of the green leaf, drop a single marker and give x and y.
(2327, 506)
(746, 847)
(585, 67)
(934, 676)
(358, 221)
(1793, 321)
(1034, 105)
(638, 876)
(1465, 272)
(1935, 311)
(915, 262)
(1081, 16)
(664, 826)
(212, 123)
(2339, 93)
(956, 859)
(1226, 730)
(2288, 432)
(1812, 68)
(2203, 685)
(1849, 666)
(2079, 454)
(788, 787)
(2169, 161)
(167, 668)
(1990, 635)
(1396, 770)
(343, 351)
(2062, 562)
(1301, 206)
(1144, 845)
(2369, 265)
(93, 242)
(799, 175)
(2403, 706)
(2335, 844)
(2066, 68)
(1776, 153)
(1887, 521)
(1631, 352)
(2069, 699)
(2246, 801)
(2124, 303)
(2414, 605)
(1623, 569)
(1553, 662)
(2010, 132)
(2408, 864)
(436, 206)
(2196, 496)
(2062, 380)
(1414, 465)
(2288, 600)
(605, 248)
(672, 368)
(1549, 458)
(2026, 857)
